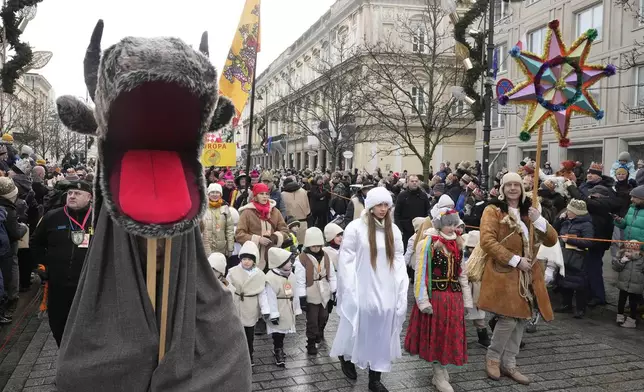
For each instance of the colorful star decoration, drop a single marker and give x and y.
(557, 83)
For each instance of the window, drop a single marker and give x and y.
(501, 10)
(639, 90)
(535, 40)
(498, 120)
(528, 2)
(418, 41)
(641, 13)
(418, 98)
(590, 18)
(595, 92)
(502, 56)
(457, 108)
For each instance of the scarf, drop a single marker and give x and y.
(318, 255)
(216, 204)
(264, 210)
(449, 242)
(334, 245)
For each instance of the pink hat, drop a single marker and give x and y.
(254, 174)
(229, 176)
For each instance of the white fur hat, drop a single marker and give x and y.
(472, 239)
(218, 262)
(376, 196)
(511, 177)
(277, 257)
(313, 237)
(251, 249)
(214, 187)
(331, 231)
(234, 214)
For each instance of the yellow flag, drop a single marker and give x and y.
(237, 76)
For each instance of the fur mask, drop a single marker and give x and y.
(155, 99)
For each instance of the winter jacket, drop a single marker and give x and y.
(296, 201)
(279, 203)
(410, 204)
(473, 214)
(453, 191)
(582, 227)
(600, 210)
(14, 230)
(623, 190)
(40, 190)
(606, 181)
(319, 197)
(218, 231)
(629, 166)
(633, 224)
(631, 273)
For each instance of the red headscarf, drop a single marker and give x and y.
(264, 210)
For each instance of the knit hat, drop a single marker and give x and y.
(266, 176)
(249, 250)
(632, 244)
(331, 231)
(548, 185)
(8, 189)
(600, 190)
(378, 196)
(472, 239)
(26, 150)
(621, 170)
(291, 221)
(511, 177)
(22, 166)
(254, 174)
(313, 237)
(260, 187)
(277, 257)
(638, 192)
(234, 214)
(624, 156)
(229, 176)
(440, 187)
(466, 178)
(596, 168)
(444, 203)
(214, 187)
(7, 139)
(578, 207)
(217, 262)
(417, 222)
(568, 165)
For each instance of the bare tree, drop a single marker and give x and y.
(40, 128)
(11, 111)
(323, 102)
(407, 82)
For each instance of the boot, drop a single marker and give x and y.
(320, 338)
(579, 314)
(11, 308)
(349, 369)
(311, 349)
(514, 374)
(374, 382)
(280, 357)
(629, 323)
(484, 339)
(493, 370)
(620, 319)
(440, 380)
(563, 309)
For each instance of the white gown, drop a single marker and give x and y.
(372, 304)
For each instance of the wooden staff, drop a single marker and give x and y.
(151, 274)
(151, 279)
(535, 183)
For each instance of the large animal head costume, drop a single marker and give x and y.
(155, 98)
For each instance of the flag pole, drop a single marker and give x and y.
(249, 145)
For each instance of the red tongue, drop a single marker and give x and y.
(153, 188)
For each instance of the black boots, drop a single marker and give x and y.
(563, 309)
(311, 349)
(349, 369)
(484, 339)
(280, 357)
(374, 382)
(320, 338)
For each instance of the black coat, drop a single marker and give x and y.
(319, 198)
(14, 230)
(473, 219)
(409, 205)
(454, 191)
(623, 190)
(53, 246)
(600, 210)
(582, 227)
(40, 190)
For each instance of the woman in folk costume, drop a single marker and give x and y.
(218, 229)
(316, 286)
(372, 291)
(218, 263)
(262, 223)
(250, 298)
(513, 284)
(284, 304)
(436, 330)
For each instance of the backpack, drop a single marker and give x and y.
(5, 244)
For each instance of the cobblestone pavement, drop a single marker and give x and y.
(589, 355)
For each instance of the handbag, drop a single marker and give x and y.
(476, 263)
(574, 259)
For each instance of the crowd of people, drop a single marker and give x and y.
(286, 243)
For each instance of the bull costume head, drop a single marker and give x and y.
(154, 99)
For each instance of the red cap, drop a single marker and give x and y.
(260, 187)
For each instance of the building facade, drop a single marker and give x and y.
(356, 23)
(592, 140)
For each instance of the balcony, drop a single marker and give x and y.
(636, 114)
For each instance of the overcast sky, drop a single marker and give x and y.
(64, 27)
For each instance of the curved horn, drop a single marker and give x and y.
(93, 58)
(203, 46)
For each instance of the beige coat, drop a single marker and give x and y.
(297, 206)
(286, 309)
(252, 228)
(218, 231)
(357, 208)
(249, 297)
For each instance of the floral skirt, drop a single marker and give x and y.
(439, 337)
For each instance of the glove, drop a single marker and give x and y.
(303, 304)
(275, 321)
